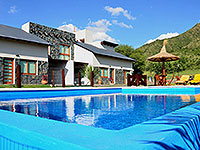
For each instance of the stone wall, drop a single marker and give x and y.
(1, 70)
(96, 77)
(33, 79)
(54, 37)
(119, 76)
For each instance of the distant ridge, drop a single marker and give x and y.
(185, 45)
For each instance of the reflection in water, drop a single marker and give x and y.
(185, 98)
(105, 111)
(197, 97)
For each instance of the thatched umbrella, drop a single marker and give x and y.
(163, 56)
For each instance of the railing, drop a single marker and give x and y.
(136, 79)
(8, 144)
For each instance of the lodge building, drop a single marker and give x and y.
(40, 50)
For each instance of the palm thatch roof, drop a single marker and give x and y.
(163, 56)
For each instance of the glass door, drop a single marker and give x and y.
(112, 75)
(8, 71)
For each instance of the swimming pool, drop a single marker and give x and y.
(113, 111)
(179, 129)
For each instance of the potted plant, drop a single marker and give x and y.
(44, 79)
(100, 80)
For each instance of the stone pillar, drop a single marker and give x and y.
(1, 70)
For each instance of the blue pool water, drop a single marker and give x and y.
(114, 112)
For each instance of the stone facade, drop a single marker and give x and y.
(1, 70)
(119, 76)
(96, 78)
(33, 79)
(55, 37)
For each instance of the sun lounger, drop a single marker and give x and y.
(196, 79)
(183, 80)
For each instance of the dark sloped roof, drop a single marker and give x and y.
(100, 51)
(19, 34)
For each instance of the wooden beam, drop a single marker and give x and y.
(18, 76)
(63, 78)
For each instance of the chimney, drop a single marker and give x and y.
(74, 29)
(84, 34)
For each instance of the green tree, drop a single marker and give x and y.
(124, 50)
(138, 55)
(139, 64)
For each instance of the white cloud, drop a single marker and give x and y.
(122, 24)
(118, 10)
(100, 23)
(99, 29)
(68, 27)
(163, 36)
(13, 10)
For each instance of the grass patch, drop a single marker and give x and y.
(7, 86)
(48, 86)
(24, 86)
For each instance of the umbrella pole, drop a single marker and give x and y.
(163, 76)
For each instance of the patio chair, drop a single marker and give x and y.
(158, 80)
(196, 79)
(183, 80)
(177, 78)
(170, 81)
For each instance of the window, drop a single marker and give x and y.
(104, 72)
(28, 67)
(64, 52)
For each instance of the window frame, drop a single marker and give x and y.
(126, 72)
(27, 62)
(64, 54)
(104, 73)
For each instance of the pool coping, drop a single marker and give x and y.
(147, 135)
(73, 88)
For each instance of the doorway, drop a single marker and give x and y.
(8, 71)
(112, 75)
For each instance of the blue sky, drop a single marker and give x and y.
(132, 22)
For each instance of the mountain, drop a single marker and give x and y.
(186, 46)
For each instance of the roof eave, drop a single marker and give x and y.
(129, 59)
(8, 37)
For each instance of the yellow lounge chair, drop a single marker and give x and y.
(196, 79)
(183, 80)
